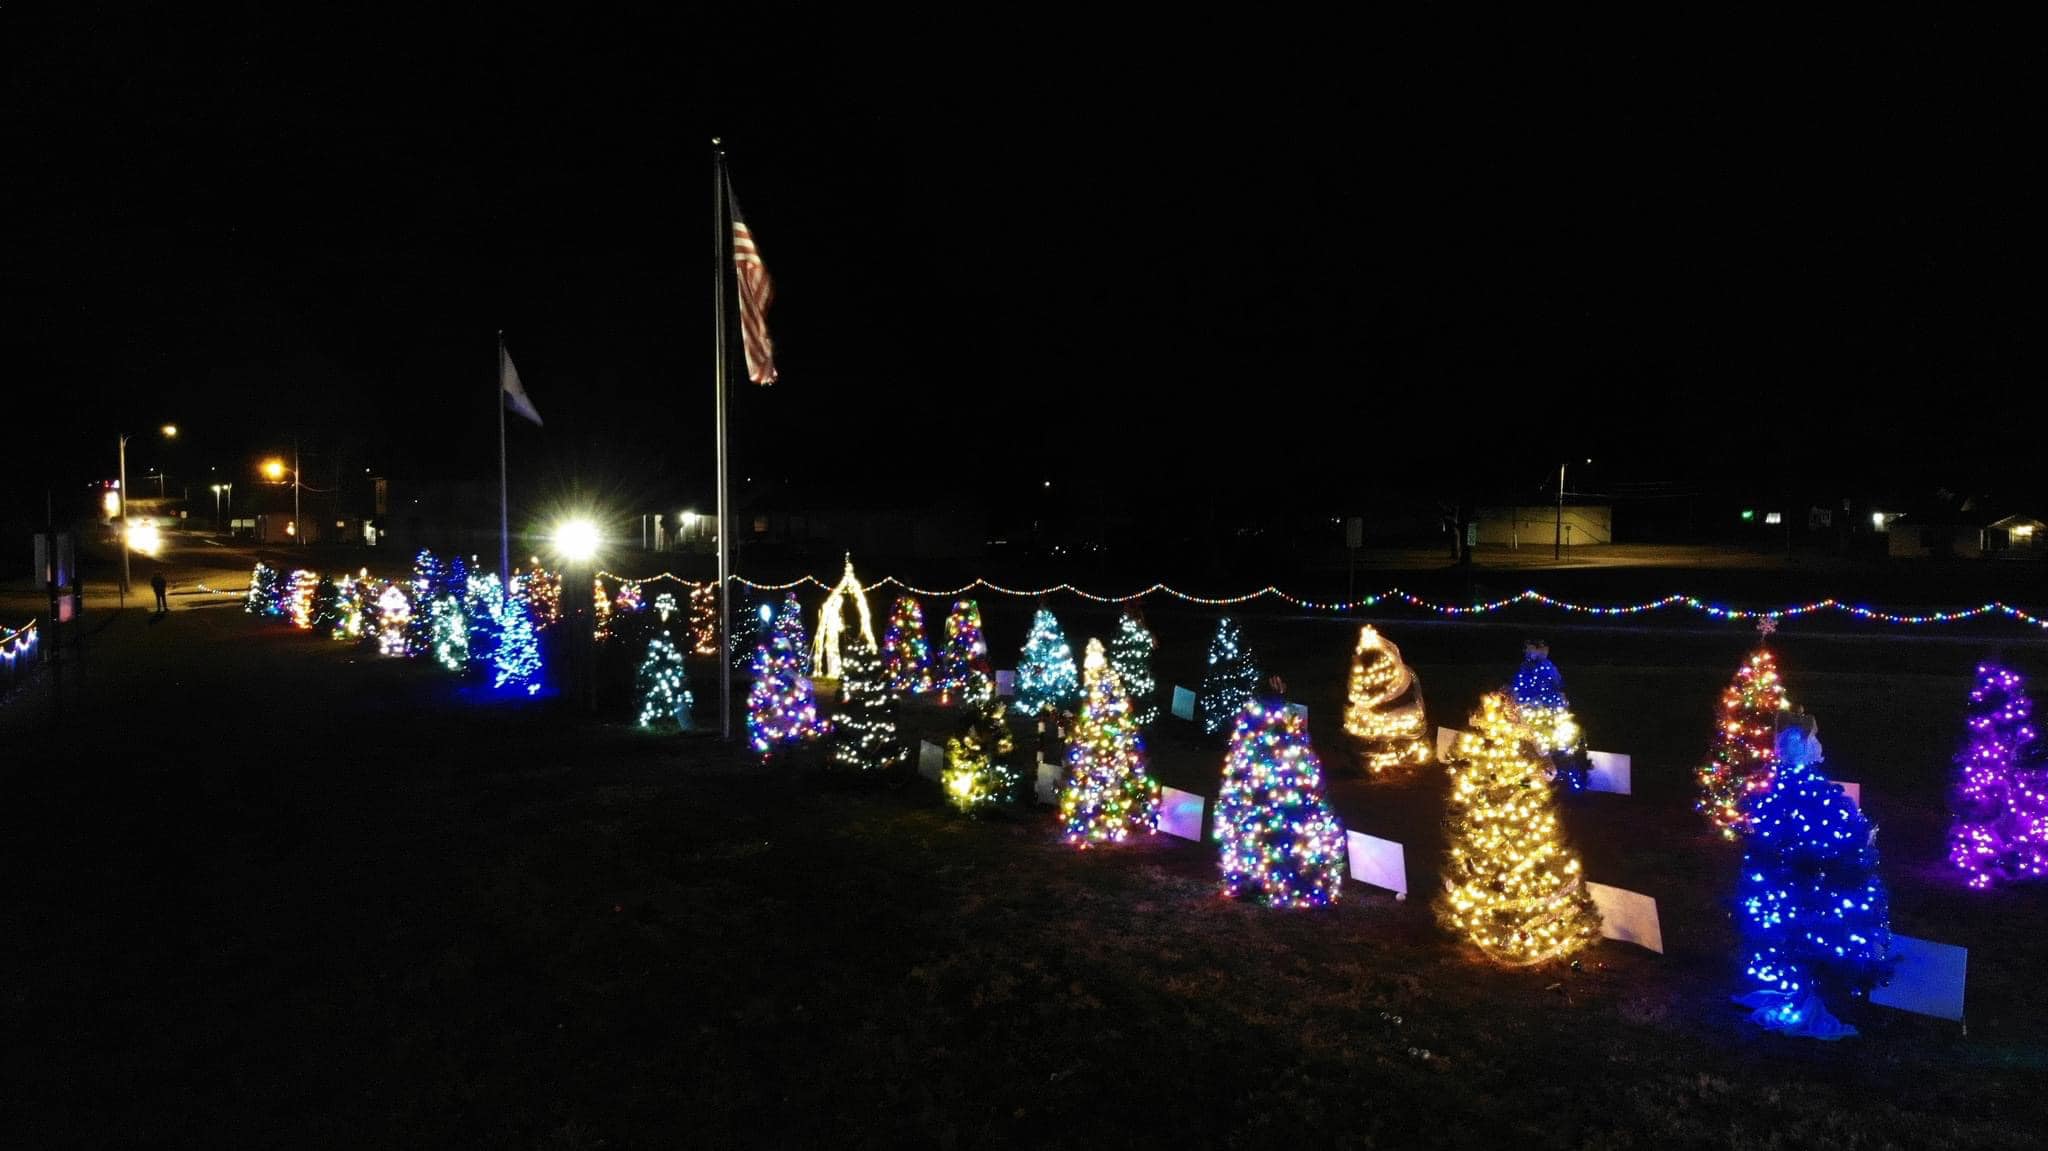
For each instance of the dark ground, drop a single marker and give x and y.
(262, 890)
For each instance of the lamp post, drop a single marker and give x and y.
(1557, 545)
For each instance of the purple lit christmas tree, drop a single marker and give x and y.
(2000, 794)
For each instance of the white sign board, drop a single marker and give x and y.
(1928, 980)
(1628, 916)
(1607, 771)
(931, 759)
(1853, 790)
(1180, 813)
(1379, 862)
(1047, 787)
(1006, 683)
(1183, 703)
(1446, 740)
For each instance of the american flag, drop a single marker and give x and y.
(757, 291)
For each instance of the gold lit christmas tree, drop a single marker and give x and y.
(1385, 714)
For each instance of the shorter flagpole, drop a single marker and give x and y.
(504, 486)
(719, 228)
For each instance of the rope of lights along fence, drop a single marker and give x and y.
(1396, 595)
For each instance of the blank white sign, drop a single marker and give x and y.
(1628, 916)
(1180, 813)
(1379, 862)
(1006, 683)
(1607, 771)
(1047, 787)
(1300, 709)
(931, 759)
(1853, 790)
(1183, 703)
(1928, 980)
(1446, 739)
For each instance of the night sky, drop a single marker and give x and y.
(1401, 260)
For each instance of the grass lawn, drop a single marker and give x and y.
(262, 890)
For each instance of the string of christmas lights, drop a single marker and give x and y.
(19, 641)
(1395, 595)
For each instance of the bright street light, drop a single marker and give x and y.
(576, 540)
(170, 431)
(273, 469)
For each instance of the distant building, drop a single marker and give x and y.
(1965, 535)
(1538, 525)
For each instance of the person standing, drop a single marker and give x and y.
(158, 583)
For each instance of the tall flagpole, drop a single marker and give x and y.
(721, 227)
(504, 507)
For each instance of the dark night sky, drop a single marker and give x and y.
(1684, 250)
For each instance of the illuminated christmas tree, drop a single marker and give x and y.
(449, 634)
(1385, 713)
(975, 775)
(1130, 656)
(326, 607)
(1742, 762)
(299, 598)
(1108, 797)
(782, 709)
(1538, 691)
(394, 620)
(543, 596)
(628, 599)
(834, 637)
(1809, 903)
(704, 619)
(1228, 684)
(516, 663)
(349, 610)
(1512, 885)
(661, 684)
(751, 629)
(2000, 793)
(455, 579)
(665, 606)
(864, 717)
(1045, 668)
(906, 657)
(1280, 843)
(482, 609)
(963, 673)
(423, 589)
(601, 607)
(265, 586)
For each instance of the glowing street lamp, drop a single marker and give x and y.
(170, 431)
(576, 540)
(273, 469)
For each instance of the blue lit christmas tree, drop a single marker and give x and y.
(483, 609)
(1046, 677)
(1538, 692)
(1233, 674)
(1280, 843)
(516, 662)
(1130, 656)
(1810, 905)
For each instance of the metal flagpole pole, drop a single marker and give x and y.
(720, 225)
(504, 512)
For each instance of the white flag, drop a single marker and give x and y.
(508, 382)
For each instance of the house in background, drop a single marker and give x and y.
(1538, 525)
(1965, 534)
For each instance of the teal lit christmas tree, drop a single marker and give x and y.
(1130, 656)
(782, 708)
(1811, 908)
(1108, 796)
(1232, 675)
(964, 675)
(1046, 677)
(449, 634)
(516, 662)
(662, 685)
(864, 720)
(1280, 843)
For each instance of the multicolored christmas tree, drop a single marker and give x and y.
(264, 588)
(298, 598)
(1232, 675)
(628, 601)
(1512, 886)
(1810, 905)
(906, 657)
(662, 685)
(782, 708)
(326, 607)
(1280, 843)
(394, 620)
(964, 675)
(1538, 690)
(1130, 656)
(976, 775)
(1743, 761)
(1108, 797)
(2000, 793)
(1046, 677)
(349, 610)
(864, 715)
(1385, 713)
(543, 591)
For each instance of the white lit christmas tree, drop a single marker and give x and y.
(1232, 674)
(1130, 656)
(864, 718)
(1046, 677)
(662, 685)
